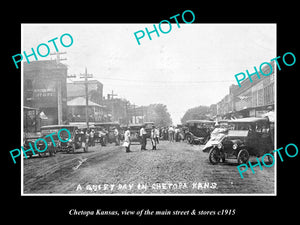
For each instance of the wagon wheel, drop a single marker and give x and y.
(214, 156)
(243, 156)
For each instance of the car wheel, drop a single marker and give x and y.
(243, 156)
(189, 139)
(42, 154)
(214, 156)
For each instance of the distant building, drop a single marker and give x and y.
(117, 109)
(251, 99)
(77, 110)
(77, 89)
(45, 88)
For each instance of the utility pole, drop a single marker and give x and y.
(58, 85)
(58, 59)
(134, 113)
(112, 104)
(86, 76)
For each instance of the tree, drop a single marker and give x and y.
(197, 113)
(158, 113)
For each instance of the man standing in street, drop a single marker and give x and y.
(116, 133)
(92, 137)
(153, 138)
(171, 134)
(143, 135)
(126, 143)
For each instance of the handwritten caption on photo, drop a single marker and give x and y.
(145, 187)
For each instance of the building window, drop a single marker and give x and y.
(260, 97)
(254, 99)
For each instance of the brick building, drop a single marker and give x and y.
(45, 88)
(251, 99)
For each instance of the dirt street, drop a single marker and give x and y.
(175, 168)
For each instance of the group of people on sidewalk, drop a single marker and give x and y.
(154, 136)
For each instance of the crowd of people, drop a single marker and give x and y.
(170, 134)
(165, 133)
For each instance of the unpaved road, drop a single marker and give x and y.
(175, 168)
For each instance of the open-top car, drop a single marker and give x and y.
(75, 141)
(246, 137)
(198, 131)
(106, 131)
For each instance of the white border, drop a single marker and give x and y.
(249, 194)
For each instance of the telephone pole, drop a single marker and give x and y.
(58, 85)
(112, 95)
(86, 76)
(58, 59)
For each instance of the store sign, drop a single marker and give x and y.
(45, 92)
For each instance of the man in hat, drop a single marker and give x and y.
(143, 135)
(127, 141)
(116, 133)
(153, 137)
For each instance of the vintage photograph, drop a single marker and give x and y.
(103, 114)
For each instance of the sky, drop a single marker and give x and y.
(189, 66)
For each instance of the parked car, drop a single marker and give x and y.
(198, 131)
(246, 137)
(75, 142)
(101, 135)
(148, 128)
(107, 128)
(135, 133)
(31, 138)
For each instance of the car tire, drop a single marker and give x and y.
(214, 156)
(243, 156)
(42, 154)
(189, 139)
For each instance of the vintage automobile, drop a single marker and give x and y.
(31, 138)
(246, 137)
(135, 133)
(100, 135)
(148, 128)
(198, 131)
(107, 129)
(215, 137)
(75, 142)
